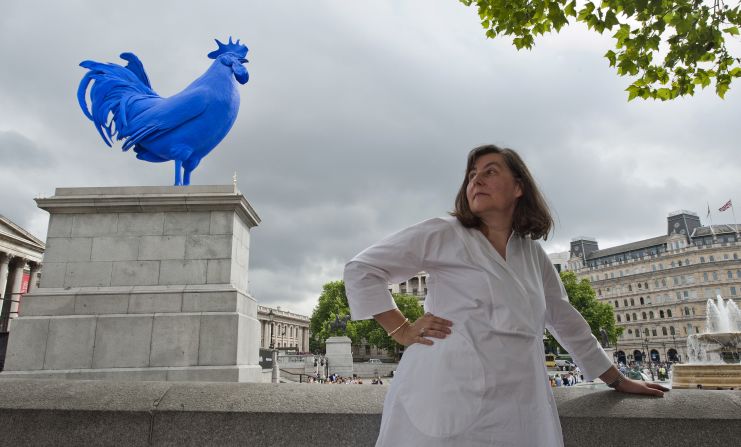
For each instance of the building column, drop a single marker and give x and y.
(4, 260)
(15, 296)
(35, 267)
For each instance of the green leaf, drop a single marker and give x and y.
(611, 56)
(570, 9)
(732, 31)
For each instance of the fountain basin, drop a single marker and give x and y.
(708, 376)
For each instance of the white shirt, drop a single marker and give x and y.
(485, 384)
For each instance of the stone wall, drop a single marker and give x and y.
(40, 412)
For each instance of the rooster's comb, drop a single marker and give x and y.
(231, 47)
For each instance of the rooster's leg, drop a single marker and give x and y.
(178, 168)
(188, 166)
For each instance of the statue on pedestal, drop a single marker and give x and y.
(183, 128)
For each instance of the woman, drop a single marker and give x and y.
(492, 291)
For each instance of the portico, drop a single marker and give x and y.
(20, 263)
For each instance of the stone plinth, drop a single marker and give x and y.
(339, 354)
(711, 377)
(141, 283)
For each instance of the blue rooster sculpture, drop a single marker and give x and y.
(184, 127)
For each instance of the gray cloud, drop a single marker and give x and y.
(357, 120)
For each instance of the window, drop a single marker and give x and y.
(686, 294)
(715, 276)
(725, 256)
(625, 303)
(641, 301)
(733, 291)
(697, 330)
(645, 332)
(617, 304)
(663, 282)
(671, 330)
(663, 331)
(656, 283)
(645, 284)
(669, 313)
(630, 331)
(627, 317)
(686, 262)
(702, 259)
(705, 276)
(661, 315)
(637, 333)
(730, 274)
(618, 318)
(640, 285)
(630, 288)
(735, 256)
(632, 303)
(653, 332)
(643, 315)
(635, 317)
(651, 315)
(712, 258)
(686, 310)
(738, 273)
(672, 264)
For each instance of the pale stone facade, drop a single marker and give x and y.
(659, 287)
(289, 330)
(415, 286)
(20, 255)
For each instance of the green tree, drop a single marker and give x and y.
(668, 46)
(375, 335)
(598, 315)
(333, 304)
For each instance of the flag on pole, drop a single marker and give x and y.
(726, 206)
(708, 216)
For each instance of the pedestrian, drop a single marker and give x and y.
(472, 373)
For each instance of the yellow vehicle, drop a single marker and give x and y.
(550, 360)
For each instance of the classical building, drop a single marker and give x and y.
(415, 286)
(20, 263)
(659, 287)
(288, 331)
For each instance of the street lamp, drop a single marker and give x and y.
(275, 376)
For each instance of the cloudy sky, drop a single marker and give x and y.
(357, 120)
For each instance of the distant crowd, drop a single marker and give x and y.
(337, 379)
(570, 378)
(646, 371)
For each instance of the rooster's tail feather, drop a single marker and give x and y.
(113, 89)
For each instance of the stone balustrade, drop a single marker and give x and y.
(41, 412)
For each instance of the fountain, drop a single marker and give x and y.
(714, 356)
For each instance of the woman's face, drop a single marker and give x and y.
(492, 187)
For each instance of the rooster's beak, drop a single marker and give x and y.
(243, 61)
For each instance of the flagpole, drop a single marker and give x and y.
(734, 218)
(711, 222)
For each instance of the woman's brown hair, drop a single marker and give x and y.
(532, 217)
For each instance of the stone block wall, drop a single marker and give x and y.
(141, 283)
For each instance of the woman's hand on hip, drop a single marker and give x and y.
(421, 331)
